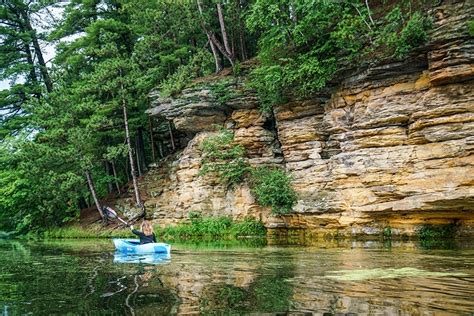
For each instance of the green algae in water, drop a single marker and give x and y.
(390, 273)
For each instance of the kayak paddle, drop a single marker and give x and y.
(110, 213)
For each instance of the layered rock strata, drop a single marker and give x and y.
(391, 147)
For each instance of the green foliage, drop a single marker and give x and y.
(268, 81)
(222, 92)
(401, 37)
(303, 44)
(224, 157)
(471, 27)
(199, 65)
(212, 228)
(435, 232)
(272, 187)
(248, 227)
(387, 232)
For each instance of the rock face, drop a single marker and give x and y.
(174, 188)
(391, 146)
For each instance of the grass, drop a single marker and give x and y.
(77, 232)
(199, 229)
(212, 228)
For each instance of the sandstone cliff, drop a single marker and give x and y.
(389, 146)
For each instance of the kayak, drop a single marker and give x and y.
(149, 258)
(133, 246)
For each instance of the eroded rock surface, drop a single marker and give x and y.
(392, 146)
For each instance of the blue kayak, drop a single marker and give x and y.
(133, 246)
(148, 258)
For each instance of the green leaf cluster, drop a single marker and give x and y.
(436, 232)
(272, 187)
(224, 157)
(199, 65)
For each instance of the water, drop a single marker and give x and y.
(84, 277)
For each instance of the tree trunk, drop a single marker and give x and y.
(215, 53)
(115, 177)
(129, 146)
(137, 157)
(152, 141)
(90, 183)
(29, 59)
(160, 149)
(223, 30)
(38, 52)
(212, 37)
(241, 29)
(171, 136)
(108, 170)
(219, 46)
(141, 149)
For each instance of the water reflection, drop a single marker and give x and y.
(152, 258)
(81, 277)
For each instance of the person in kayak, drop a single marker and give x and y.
(146, 235)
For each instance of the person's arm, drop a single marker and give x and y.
(154, 237)
(136, 232)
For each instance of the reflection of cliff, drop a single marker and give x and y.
(389, 146)
(236, 283)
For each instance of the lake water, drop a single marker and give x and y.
(86, 277)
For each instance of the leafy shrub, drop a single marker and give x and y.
(268, 82)
(471, 27)
(223, 156)
(272, 187)
(401, 38)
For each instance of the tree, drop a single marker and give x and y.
(21, 62)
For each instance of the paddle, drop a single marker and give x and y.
(110, 213)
